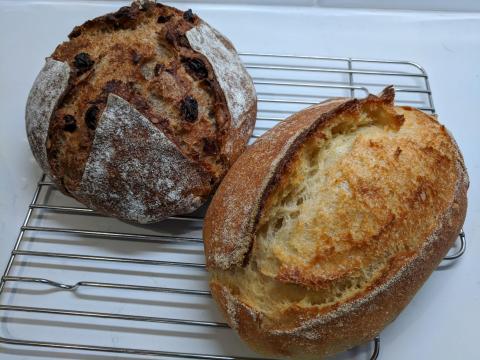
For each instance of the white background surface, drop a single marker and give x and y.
(442, 321)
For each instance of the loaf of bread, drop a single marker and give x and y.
(349, 207)
(141, 112)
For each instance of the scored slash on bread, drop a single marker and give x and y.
(121, 121)
(49, 87)
(175, 72)
(350, 207)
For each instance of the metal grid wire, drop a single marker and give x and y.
(72, 275)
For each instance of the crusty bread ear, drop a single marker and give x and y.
(325, 228)
(238, 199)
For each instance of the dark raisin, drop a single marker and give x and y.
(124, 18)
(175, 38)
(189, 109)
(83, 62)
(91, 117)
(157, 69)
(110, 19)
(188, 15)
(195, 67)
(70, 124)
(162, 19)
(76, 32)
(210, 147)
(125, 13)
(183, 41)
(136, 57)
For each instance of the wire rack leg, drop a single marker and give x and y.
(20, 234)
(350, 78)
(376, 348)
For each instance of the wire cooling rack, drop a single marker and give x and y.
(84, 286)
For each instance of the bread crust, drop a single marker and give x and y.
(240, 196)
(48, 89)
(309, 333)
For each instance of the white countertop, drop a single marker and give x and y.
(442, 320)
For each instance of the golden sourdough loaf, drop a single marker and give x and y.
(141, 112)
(325, 228)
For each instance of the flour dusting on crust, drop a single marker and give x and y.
(135, 171)
(240, 205)
(47, 90)
(229, 71)
(231, 307)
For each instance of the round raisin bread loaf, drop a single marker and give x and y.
(141, 112)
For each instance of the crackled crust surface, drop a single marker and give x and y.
(360, 205)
